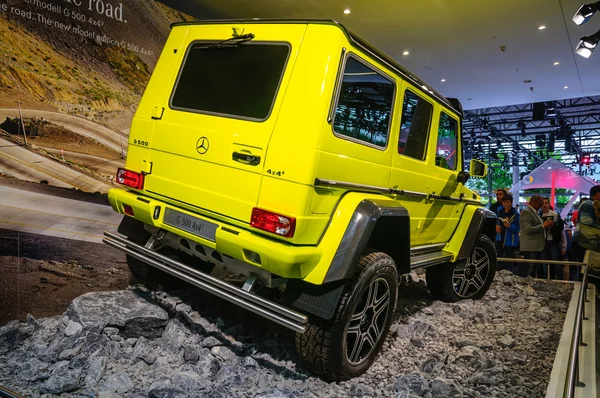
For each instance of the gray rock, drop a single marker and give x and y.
(490, 377)
(519, 359)
(187, 381)
(190, 354)
(223, 353)
(69, 354)
(442, 388)
(427, 311)
(144, 351)
(11, 335)
(73, 328)
(211, 341)
(123, 309)
(110, 331)
(108, 394)
(167, 393)
(32, 321)
(507, 342)
(96, 371)
(61, 380)
(34, 370)
(421, 328)
(411, 383)
(119, 383)
(173, 335)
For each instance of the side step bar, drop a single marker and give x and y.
(429, 259)
(268, 309)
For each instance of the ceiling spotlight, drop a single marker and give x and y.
(443, 80)
(556, 63)
(405, 53)
(585, 12)
(587, 44)
(347, 11)
(541, 27)
(566, 87)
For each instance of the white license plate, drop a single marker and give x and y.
(191, 224)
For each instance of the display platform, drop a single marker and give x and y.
(136, 343)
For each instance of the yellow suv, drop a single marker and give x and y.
(296, 154)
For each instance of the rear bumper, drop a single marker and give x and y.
(268, 309)
(278, 258)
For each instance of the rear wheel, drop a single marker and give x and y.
(346, 346)
(467, 279)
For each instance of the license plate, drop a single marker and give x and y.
(191, 224)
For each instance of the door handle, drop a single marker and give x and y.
(246, 158)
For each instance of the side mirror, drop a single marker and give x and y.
(478, 169)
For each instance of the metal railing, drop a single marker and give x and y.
(572, 377)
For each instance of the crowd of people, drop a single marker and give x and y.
(537, 232)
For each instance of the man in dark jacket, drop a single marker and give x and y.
(498, 204)
(508, 239)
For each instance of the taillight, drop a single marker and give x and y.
(130, 178)
(272, 222)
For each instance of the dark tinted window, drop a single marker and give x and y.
(364, 105)
(414, 128)
(447, 142)
(239, 81)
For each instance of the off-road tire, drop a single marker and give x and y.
(466, 279)
(323, 348)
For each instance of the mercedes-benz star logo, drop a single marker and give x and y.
(202, 145)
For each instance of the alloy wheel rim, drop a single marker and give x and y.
(366, 325)
(470, 278)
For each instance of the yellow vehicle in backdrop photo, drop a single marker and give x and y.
(296, 154)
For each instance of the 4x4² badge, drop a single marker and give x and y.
(202, 145)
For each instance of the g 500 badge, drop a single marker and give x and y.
(140, 142)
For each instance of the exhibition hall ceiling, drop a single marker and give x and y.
(460, 41)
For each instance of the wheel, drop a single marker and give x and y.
(467, 279)
(147, 275)
(346, 346)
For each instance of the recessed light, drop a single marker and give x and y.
(347, 11)
(443, 80)
(542, 27)
(405, 53)
(566, 87)
(556, 63)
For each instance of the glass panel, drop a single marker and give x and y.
(447, 142)
(365, 104)
(238, 80)
(414, 128)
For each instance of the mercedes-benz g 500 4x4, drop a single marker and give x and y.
(295, 153)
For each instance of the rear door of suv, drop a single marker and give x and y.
(216, 113)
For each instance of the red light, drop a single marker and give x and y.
(128, 210)
(130, 178)
(272, 222)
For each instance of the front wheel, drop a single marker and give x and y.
(346, 346)
(466, 279)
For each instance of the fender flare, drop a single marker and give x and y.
(382, 223)
(483, 221)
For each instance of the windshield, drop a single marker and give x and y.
(238, 81)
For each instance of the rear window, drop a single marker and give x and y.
(235, 81)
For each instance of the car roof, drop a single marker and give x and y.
(356, 40)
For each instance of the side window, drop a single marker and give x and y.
(414, 128)
(364, 105)
(447, 143)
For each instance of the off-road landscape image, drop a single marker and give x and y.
(70, 81)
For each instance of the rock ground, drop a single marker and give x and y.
(135, 343)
